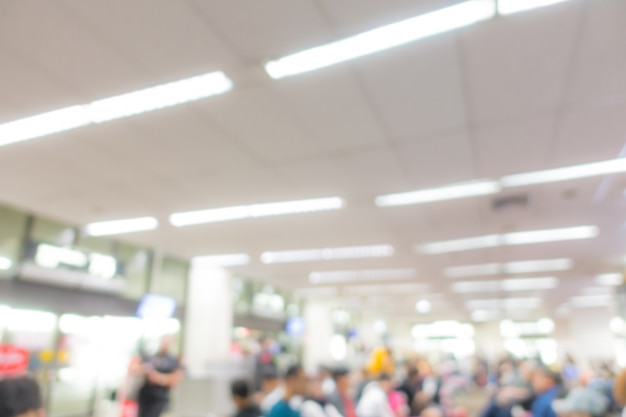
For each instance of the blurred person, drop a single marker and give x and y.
(375, 401)
(381, 361)
(162, 372)
(398, 403)
(619, 391)
(546, 387)
(328, 383)
(315, 403)
(272, 391)
(410, 386)
(582, 402)
(295, 383)
(340, 398)
(20, 397)
(365, 379)
(241, 395)
(571, 375)
(264, 361)
(430, 386)
(517, 391)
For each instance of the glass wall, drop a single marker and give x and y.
(12, 228)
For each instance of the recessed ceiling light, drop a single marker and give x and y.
(529, 284)
(230, 259)
(142, 101)
(5, 263)
(255, 211)
(550, 235)
(543, 265)
(327, 254)
(506, 7)
(517, 267)
(473, 270)
(516, 238)
(423, 306)
(459, 245)
(116, 227)
(382, 38)
(327, 277)
(612, 279)
(591, 300)
(450, 192)
(612, 166)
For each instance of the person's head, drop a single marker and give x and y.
(384, 380)
(413, 374)
(342, 380)
(295, 380)
(582, 402)
(165, 345)
(20, 397)
(527, 369)
(314, 387)
(270, 380)
(240, 392)
(544, 379)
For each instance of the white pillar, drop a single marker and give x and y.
(209, 318)
(590, 337)
(318, 332)
(488, 339)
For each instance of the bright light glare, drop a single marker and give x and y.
(506, 7)
(592, 300)
(5, 263)
(231, 259)
(380, 327)
(115, 227)
(516, 238)
(166, 95)
(52, 256)
(382, 38)
(338, 347)
(423, 306)
(614, 279)
(529, 284)
(327, 277)
(142, 101)
(103, 266)
(550, 235)
(485, 315)
(545, 265)
(43, 124)
(459, 245)
(31, 321)
(475, 287)
(563, 174)
(255, 210)
(472, 270)
(307, 255)
(617, 325)
(450, 192)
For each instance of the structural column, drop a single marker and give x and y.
(318, 333)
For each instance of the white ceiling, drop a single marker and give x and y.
(541, 89)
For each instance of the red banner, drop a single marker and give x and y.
(13, 360)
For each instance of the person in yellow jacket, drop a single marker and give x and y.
(381, 361)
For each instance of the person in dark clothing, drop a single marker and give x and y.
(295, 386)
(340, 398)
(20, 397)
(547, 388)
(162, 372)
(409, 387)
(240, 391)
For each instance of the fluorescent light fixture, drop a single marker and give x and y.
(459, 245)
(529, 284)
(255, 211)
(475, 287)
(50, 256)
(485, 315)
(382, 38)
(154, 98)
(231, 259)
(5, 263)
(612, 166)
(516, 284)
(387, 289)
(507, 303)
(142, 101)
(597, 291)
(506, 7)
(592, 300)
(450, 192)
(516, 238)
(545, 265)
(307, 255)
(43, 124)
(327, 277)
(550, 235)
(472, 270)
(518, 267)
(423, 306)
(116, 227)
(613, 279)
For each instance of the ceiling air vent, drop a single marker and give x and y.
(509, 202)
